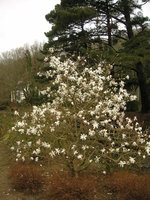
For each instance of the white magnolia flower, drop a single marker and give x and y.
(36, 159)
(95, 124)
(103, 150)
(122, 163)
(23, 158)
(16, 113)
(84, 147)
(18, 143)
(134, 144)
(131, 160)
(29, 144)
(80, 156)
(12, 148)
(91, 132)
(75, 152)
(52, 154)
(83, 137)
(18, 155)
(38, 142)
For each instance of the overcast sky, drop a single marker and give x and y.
(23, 21)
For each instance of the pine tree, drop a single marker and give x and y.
(78, 26)
(68, 30)
(136, 57)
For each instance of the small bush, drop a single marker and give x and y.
(4, 105)
(64, 187)
(26, 178)
(129, 186)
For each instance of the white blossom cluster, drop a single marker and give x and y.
(85, 123)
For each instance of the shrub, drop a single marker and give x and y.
(85, 123)
(4, 105)
(62, 186)
(26, 178)
(129, 186)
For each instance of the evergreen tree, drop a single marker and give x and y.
(82, 26)
(68, 30)
(136, 57)
(78, 24)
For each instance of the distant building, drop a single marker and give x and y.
(17, 96)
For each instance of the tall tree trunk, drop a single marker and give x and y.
(145, 101)
(126, 12)
(108, 24)
(83, 35)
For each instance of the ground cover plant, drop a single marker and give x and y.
(26, 178)
(84, 124)
(127, 185)
(65, 187)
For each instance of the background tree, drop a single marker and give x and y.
(68, 30)
(70, 19)
(136, 57)
(15, 74)
(105, 24)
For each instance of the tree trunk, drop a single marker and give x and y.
(145, 102)
(126, 12)
(71, 167)
(108, 24)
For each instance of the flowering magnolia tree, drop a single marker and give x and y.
(85, 123)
